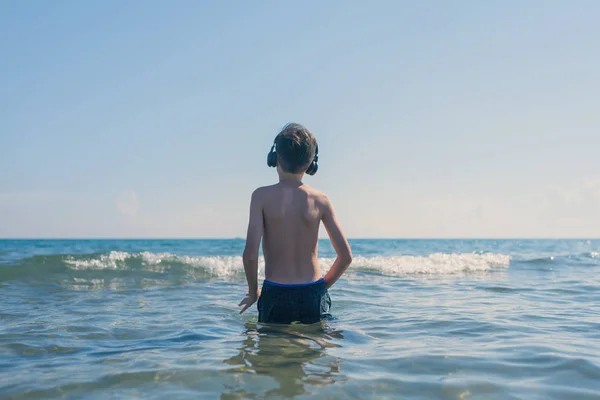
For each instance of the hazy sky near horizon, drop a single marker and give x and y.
(434, 118)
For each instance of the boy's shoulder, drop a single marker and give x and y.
(261, 193)
(261, 190)
(316, 194)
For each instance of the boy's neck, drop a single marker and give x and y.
(287, 177)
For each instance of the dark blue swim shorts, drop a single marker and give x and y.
(305, 303)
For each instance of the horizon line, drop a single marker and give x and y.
(320, 238)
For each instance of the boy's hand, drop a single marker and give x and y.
(249, 300)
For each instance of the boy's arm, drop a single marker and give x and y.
(339, 242)
(250, 256)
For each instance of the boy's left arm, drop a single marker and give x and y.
(250, 257)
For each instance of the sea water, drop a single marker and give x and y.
(414, 319)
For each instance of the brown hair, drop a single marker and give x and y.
(295, 146)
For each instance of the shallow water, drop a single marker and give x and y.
(415, 319)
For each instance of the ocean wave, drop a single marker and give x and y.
(434, 264)
(171, 266)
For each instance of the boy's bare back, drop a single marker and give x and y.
(287, 216)
(292, 213)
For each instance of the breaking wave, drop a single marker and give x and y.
(167, 266)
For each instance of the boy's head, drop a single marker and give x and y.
(296, 147)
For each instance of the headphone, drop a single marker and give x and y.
(312, 168)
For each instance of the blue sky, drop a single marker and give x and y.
(434, 118)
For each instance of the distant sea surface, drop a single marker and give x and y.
(414, 319)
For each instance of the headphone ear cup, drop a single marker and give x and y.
(314, 167)
(272, 158)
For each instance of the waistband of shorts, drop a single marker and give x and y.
(294, 284)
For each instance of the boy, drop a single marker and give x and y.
(287, 216)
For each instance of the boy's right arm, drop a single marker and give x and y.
(339, 242)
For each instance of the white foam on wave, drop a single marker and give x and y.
(232, 266)
(220, 266)
(113, 260)
(434, 264)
